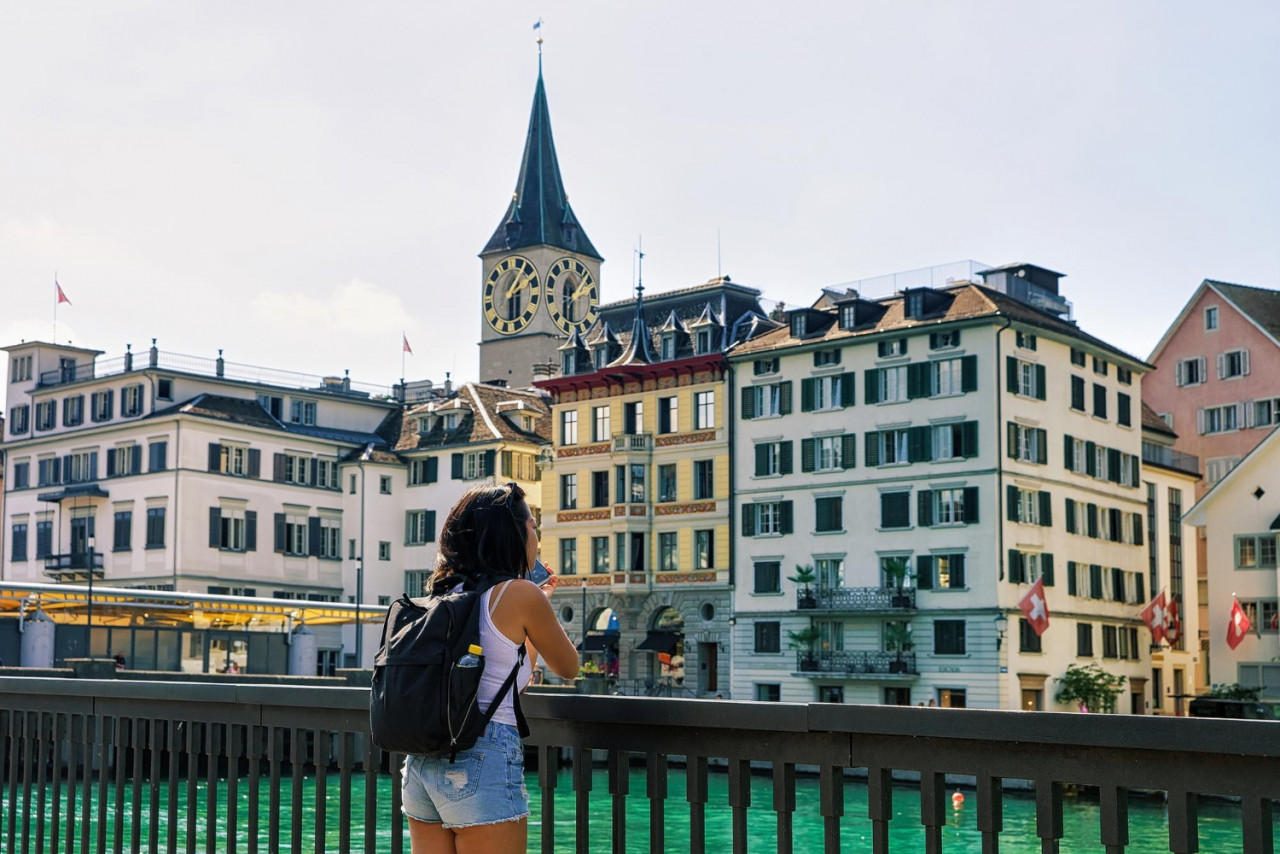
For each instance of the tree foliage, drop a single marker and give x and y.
(1234, 691)
(1090, 685)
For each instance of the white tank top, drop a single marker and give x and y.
(500, 656)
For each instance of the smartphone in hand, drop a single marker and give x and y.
(539, 575)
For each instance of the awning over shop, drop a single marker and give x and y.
(660, 642)
(79, 490)
(598, 641)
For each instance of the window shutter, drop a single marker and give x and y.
(1046, 510)
(313, 535)
(807, 453)
(215, 527)
(489, 458)
(1122, 410)
(315, 471)
(433, 469)
(871, 385)
(1011, 500)
(277, 467)
(1113, 465)
(849, 450)
(785, 516)
(1180, 374)
(882, 348)
(111, 462)
(1042, 446)
(1204, 367)
(762, 458)
(847, 389)
(250, 530)
(1091, 459)
(924, 508)
(902, 346)
(255, 462)
(408, 527)
(1071, 516)
(1040, 382)
(1135, 474)
(1200, 418)
(748, 404)
(1091, 518)
(918, 380)
(215, 456)
(66, 468)
(933, 341)
(431, 526)
(924, 572)
(1222, 365)
(1068, 451)
(1244, 361)
(785, 464)
(1071, 578)
(1095, 581)
(968, 371)
(279, 526)
(784, 397)
(456, 462)
(135, 460)
(821, 514)
(920, 444)
(969, 439)
(1137, 529)
(1011, 440)
(1015, 567)
(970, 505)
(748, 520)
(506, 463)
(1046, 569)
(1139, 589)
(871, 448)
(806, 395)
(1011, 374)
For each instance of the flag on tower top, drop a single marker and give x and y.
(1239, 625)
(1155, 615)
(537, 25)
(407, 348)
(62, 297)
(1035, 608)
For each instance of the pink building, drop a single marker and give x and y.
(1217, 384)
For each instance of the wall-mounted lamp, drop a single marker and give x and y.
(1002, 626)
(733, 621)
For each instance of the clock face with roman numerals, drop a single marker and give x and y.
(573, 298)
(512, 295)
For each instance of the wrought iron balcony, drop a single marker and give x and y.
(856, 662)
(633, 442)
(856, 599)
(74, 561)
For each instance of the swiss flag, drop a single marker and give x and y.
(62, 297)
(1172, 622)
(1239, 625)
(407, 348)
(1154, 615)
(1035, 608)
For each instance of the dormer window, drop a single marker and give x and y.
(667, 347)
(449, 420)
(766, 366)
(566, 364)
(704, 341)
(424, 426)
(915, 304)
(848, 316)
(601, 356)
(889, 349)
(798, 325)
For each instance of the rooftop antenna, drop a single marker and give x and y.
(639, 266)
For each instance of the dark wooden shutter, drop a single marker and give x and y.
(847, 389)
(215, 456)
(1071, 578)
(968, 372)
(1011, 374)
(1046, 509)
(1139, 590)
(933, 341)
(215, 527)
(924, 572)
(918, 380)
(1113, 465)
(433, 469)
(1091, 518)
(871, 385)
(1042, 446)
(1046, 569)
(786, 517)
(1040, 382)
(807, 454)
(1011, 440)
(277, 467)
(920, 444)
(902, 346)
(969, 439)
(957, 570)
(1011, 501)
(315, 471)
(882, 349)
(456, 462)
(250, 530)
(255, 462)
(785, 463)
(279, 526)
(489, 457)
(762, 459)
(970, 505)
(1137, 529)
(111, 462)
(1017, 574)
(784, 397)
(806, 395)
(924, 508)
(506, 463)
(1091, 459)
(1122, 410)
(748, 520)
(313, 535)
(1095, 581)
(1068, 451)
(1071, 516)
(849, 450)
(748, 409)
(871, 448)
(135, 461)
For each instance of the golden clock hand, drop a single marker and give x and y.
(581, 291)
(517, 285)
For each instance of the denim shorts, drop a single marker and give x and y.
(484, 784)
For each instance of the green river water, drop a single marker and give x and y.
(1219, 821)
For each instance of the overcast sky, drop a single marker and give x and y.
(296, 182)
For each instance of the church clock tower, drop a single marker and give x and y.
(540, 273)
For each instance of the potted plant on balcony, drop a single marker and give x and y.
(805, 642)
(805, 576)
(896, 571)
(897, 638)
(591, 678)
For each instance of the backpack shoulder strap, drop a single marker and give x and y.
(509, 685)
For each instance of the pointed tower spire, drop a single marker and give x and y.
(637, 352)
(539, 213)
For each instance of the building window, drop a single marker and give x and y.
(384, 484)
(768, 636)
(948, 637)
(599, 488)
(19, 540)
(1025, 340)
(330, 538)
(895, 510)
(302, 412)
(668, 553)
(600, 431)
(829, 514)
(569, 427)
(768, 576)
(1266, 413)
(1190, 371)
(704, 341)
(1211, 318)
(73, 411)
(1100, 366)
(131, 400)
(893, 384)
(1099, 401)
(232, 531)
(1028, 640)
(769, 458)
(944, 340)
(639, 488)
(423, 471)
(668, 415)
(1084, 640)
(1123, 414)
(948, 506)
(826, 453)
(667, 482)
(892, 348)
(233, 459)
(947, 571)
(1216, 468)
(768, 517)
(767, 400)
(1256, 551)
(101, 405)
(155, 527)
(420, 527)
(21, 475)
(569, 492)
(123, 531)
(44, 538)
(704, 549)
(19, 419)
(21, 368)
(1077, 357)
(1028, 444)
(297, 469)
(704, 411)
(1232, 364)
(894, 447)
(46, 415)
(1220, 419)
(704, 486)
(81, 467)
(599, 555)
(384, 550)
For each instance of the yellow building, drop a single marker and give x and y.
(636, 495)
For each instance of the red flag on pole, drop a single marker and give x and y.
(1154, 615)
(407, 348)
(1035, 608)
(1172, 621)
(62, 297)
(1239, 625)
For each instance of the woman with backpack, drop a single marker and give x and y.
(478, 803)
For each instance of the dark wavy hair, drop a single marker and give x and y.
(484, 535)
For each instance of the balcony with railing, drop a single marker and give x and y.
(1166, 457)
(624, 442)
(117, 765)
(849, 662)
(856, 599)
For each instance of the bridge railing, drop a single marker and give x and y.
(117, 765)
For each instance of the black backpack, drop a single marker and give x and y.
(421, 702)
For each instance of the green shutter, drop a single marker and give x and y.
(748, 403)
(1071, 516)
(1068, 450)
(1091, 459)
(1046, 569)
(762, 458)
(1015, 567)
(822, 514)
(784, 457)
(215, 528)
(1113, 465)
(489, 462)
(1011, 440)
(933, 341)
(431, 526)
(1046, 510)
(1011, 374)
(924, 572)
(871, 385)
(970, 505)
(1071, 578)
(957, 570)
(786, 517)
(1095, 581)
(849, 450)
(748, 520)
(807, 447)
(847, 389)
(968, 372)
(917, 380)
(1011, 502)
(455, 461)
(1137, 529)
(784, 398)
(1040, 384)
(969, 438)
(433, 469)
(1091, 517)
(924, 508)
(871, 448)
(1042, 446)
(806, 395)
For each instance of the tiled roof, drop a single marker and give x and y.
(1262, 305)
(221, 408)
(1153, 422)
(478, 405)
(963, 301)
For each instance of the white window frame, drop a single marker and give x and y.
(946, 378)
(1027, 379)
(1185, 367)
(1211, 318)
(569, 427)
(768, 518)
(829, 572)
(231, 533)
(79, 463)
(768, 400)
(772, 459)
(894, 447)
(601, 423)
(297, 469)
(826, 453)
(295, 536)
(302, 412)
(1233, 364)
(330, 538)
(948, 506)
(1028, 507)
(704, 410)
(124, 460)
(942, 438)
(417, 528)
(1028, 447)
(893, 384)
(327, 473)
(826, 393)
(131, 400)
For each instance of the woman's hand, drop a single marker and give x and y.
(549, 586)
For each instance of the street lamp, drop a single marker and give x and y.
(359, 596)
(1002, 626)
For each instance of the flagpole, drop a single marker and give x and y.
(55, 306)
(403, 338)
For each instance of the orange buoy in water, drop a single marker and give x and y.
(957, 800)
